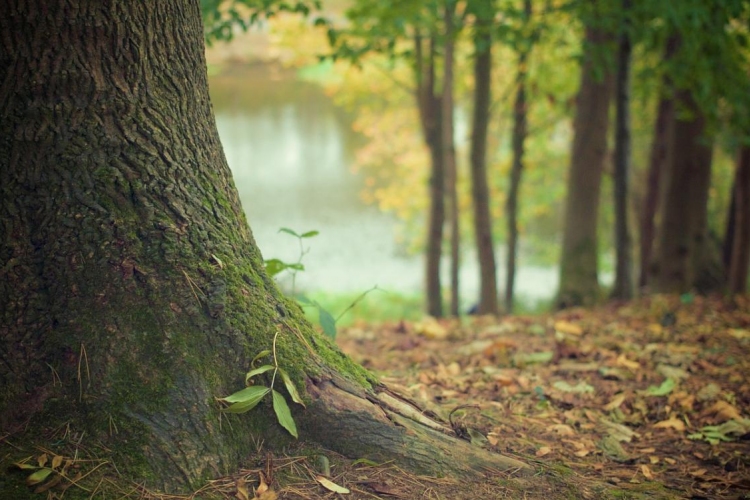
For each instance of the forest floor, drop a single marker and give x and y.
(651, 397)
(647, 399)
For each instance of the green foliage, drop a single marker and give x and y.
(222, 17)
(726, 432)
(248, 398)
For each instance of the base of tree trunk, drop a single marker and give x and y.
(383, 426)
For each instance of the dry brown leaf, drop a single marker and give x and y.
(723, 411)
(698, 472)
(646, 471)
(616, 402)
(581, 453)
(671, 423)
(544, 450)
(569, 328)
(493, 438)
(624, 362)
(561, 429)
(42, 460)
(57, 460)
(262, 487)
(653, 459)
(242, 492)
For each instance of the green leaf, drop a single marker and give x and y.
(39, 476)
(283, 414)
(310, 234)
(274, 266)
(327, 322)
(258, 371)
(306, 301)
(26, 466)
(248, 394)
(290, 387)
(289, 231)
(664, 389)
(261, 354)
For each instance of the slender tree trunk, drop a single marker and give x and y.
(739, 259)
(132, 293)
(429, 104)
(478, 156)
(657, 165)
(682, 249)
(449, 155)
(623, 287)
(519, 136)
(578, 270)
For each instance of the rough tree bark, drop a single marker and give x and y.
(578, 268)
(428, 103)
(737, 241)
(520, 130)
(449, 153)
(682, 246)
(623, 286)
(131, 290)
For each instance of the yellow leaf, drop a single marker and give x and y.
(57, 460)
(569, 328)
(561, 429)
(647, 472)
(42, 460)
(724, 411)
(672, 423)
(331, 486)
(544, 450)
(242, 493)
(624, 361)
(616, 402)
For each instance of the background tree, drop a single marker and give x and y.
(132, 293)
(482, 40)
(623, 287)
(578, 266)
(520, 131)
(737, 240)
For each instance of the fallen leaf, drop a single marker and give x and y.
(331, 486)
(569, 328)
(646, 471)
(561, 429)
(242, 492)
(723, 411)
(623, 361)
(544, 450)
(672, 423)
(616, 402)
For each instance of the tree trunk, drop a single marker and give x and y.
(520, 131)
(739, 256)
(683, 249)
(623, 287)
(657, 165)
(132, 293)
(449, 155)
(429, 104)
(478, 156)
(578, 270)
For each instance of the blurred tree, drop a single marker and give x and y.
(482, 40)
(623, 287)
(737, 239)
(520, 131)
(449, 149)
(579, 283)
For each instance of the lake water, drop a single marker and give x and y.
(290, 150)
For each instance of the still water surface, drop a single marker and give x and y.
(290, 150)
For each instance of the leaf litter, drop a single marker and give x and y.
(654, 392)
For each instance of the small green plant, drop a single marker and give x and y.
(276, 266)
(248, 398)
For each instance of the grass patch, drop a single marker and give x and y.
(377, 307)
